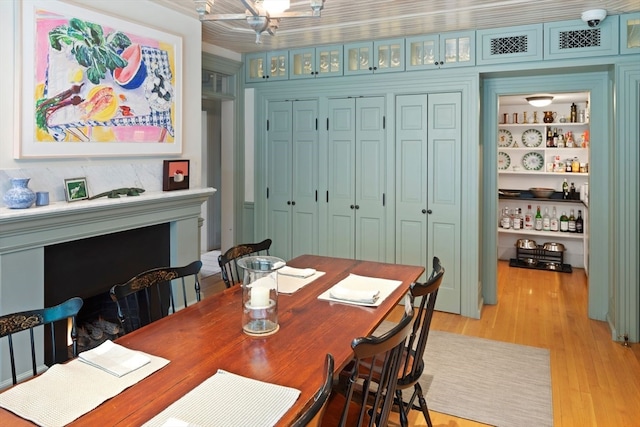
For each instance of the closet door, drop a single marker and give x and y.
(428, 170)
(292, 178)
(356, 171)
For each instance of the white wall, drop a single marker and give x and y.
(102, 173)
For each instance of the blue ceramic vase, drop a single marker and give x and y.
(19, 196)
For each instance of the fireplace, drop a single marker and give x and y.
(27, 235)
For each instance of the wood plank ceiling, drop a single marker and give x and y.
(345, 21)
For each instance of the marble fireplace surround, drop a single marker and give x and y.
(24, 233)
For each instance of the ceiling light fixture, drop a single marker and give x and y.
(261, 15)
(539, 101)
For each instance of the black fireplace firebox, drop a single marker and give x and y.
(88, 268)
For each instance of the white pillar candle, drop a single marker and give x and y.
(259, 297)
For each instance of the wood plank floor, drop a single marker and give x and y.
(595, 381)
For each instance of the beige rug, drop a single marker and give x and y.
(492, 382)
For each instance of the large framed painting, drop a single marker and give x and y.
(96, 85)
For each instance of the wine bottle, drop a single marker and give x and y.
(579, 223)
(538, 220)
(572, 222)
(564, 222)
(528, 219)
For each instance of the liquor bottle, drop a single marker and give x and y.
(579, 223)
(586, 113)
(554, 223)
(505, 222)
(538, 220)
(564, 222)
(517, 221)
(572, 192)
(573, 118)
(528, 219)
(572, 222)
(555, 137)
(546, 220)
(565, 189)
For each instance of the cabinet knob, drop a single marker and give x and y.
(357, 206)
(429, 211)
(424, 211)
(265, 77)
(352, 207)
(293, 203)
(288, 202)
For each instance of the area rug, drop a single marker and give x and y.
(209, 264)
(492, 382)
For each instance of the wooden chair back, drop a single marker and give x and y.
(14, 323)
(150, 295)
(230, 272)
(312, 417)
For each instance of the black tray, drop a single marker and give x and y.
(562, 268)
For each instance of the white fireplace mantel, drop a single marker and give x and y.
(24, 233)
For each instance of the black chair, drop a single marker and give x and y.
(149, 296)
(14, 323)
(312, 417)
(413, 363)
(230, 273)
(369, 394)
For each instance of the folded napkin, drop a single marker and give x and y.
(297, 272)
(366, 296)
(114, 359)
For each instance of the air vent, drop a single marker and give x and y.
(508, 45)
(579, 38)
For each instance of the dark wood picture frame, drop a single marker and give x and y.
(175, 175)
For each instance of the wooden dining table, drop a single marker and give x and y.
(207, 336)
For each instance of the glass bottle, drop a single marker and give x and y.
(528, 219)
(572, 192)
(554, 223)
(505, 222)
(579, 223)
(574, 113)
(564, 222)
(546, 220)
(565, 189)
(572, 222)
(538, 220)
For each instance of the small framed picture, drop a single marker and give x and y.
(175, 175)
(76, 189)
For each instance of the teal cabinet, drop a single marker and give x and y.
(440, 51)
(428, 187)
(576, 39)
(630, 33)
(356, 210)
(382, 56)
(512, 44)
(292, 178)
(266, 66)
(311, 63)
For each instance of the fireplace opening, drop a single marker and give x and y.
(88, 268)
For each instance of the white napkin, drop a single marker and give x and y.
(114, 359)
(297, 272)
(366, 296)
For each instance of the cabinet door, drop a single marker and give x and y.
(444, 142)
(422, 52)
(304, 180)
(457, 49)
(370, 179)
(359, 58)
(341, 178)
(279, 177)
(388, 56)
(278, 62)
(254, 67)
(302, 63)
(329, 61)
(630, 33)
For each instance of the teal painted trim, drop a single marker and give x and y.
(624, 33)
(627, 189)
(608, 38)
(600, 239)
(220, 64)
(248, 233)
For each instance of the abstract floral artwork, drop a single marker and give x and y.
(100, 86)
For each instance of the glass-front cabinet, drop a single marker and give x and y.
(630, 33)
(383, 56)
(309, 63)
(440, 50)
(265, 66)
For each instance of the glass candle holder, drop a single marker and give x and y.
(260, 294)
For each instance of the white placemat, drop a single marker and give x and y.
(359, 284)
(290, 284)
(226, 399)
(67, 391)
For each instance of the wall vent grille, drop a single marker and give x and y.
(579, 38)
(507, 45)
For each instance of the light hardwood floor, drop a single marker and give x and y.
(595, 381)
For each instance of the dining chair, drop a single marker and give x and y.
(149, 295)
(230, 272)
(312, 417)
(413, 357)
(11, 324)
(367, 396)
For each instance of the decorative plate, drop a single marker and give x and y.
(532, 138)
(504, 138)
(503, 161)
(533, 161)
